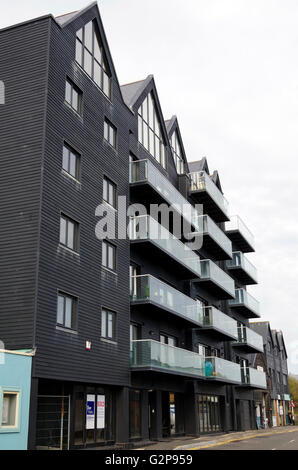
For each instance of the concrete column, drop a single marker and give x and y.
(122, 416)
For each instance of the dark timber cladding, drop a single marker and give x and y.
(83, 307)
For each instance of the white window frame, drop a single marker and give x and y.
(11, 391)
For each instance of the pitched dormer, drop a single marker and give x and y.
(177, 146)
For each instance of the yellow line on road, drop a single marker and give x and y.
(244, 438)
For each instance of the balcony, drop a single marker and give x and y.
(158, 296)
(242, 269)
(218, 369)
(149, 184)
(219, 325)
(253, 378)
(239, 234)
(164, 247)
(150, 355)
(215, 280)
(215, 240)
(245, 304)
(205, 192)
(248, 341)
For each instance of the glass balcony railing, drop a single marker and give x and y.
(244, 299)
(146, 228)
(213, 318)
(253, 377)
(240, 261)
(210, 228)
(143, 171)
(200, 181)
(220, 369)
(150, 354)
(147, 288)
(236, 224)
(147, 354)
(251, 338)
(210, 271)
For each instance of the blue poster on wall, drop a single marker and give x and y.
(90, 412)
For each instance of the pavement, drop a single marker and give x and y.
(279, 438)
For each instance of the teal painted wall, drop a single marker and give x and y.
(15, 375)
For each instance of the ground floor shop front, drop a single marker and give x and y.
(157, 406)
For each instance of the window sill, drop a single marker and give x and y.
(71, 178)
(109, 205)
(110, 146)
(80, 116)
(66, 330)
(69, 250)
(109, 341)
(9, 429)
(109, 270)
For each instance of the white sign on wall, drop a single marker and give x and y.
(100, 412)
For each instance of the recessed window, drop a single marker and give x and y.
(71, 162)
(110, 133)
(108, 324)
(69, 233)
(10, 409)
(73, 96)
(109, 255)
(177, 153)
(109, 192)
(90, 55)
(149, 130)
(66, 311)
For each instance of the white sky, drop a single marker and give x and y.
(229, 70)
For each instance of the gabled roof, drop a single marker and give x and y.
(216, 180)
(64, 20)
(263, 329)
(172, 126)
(279, 340)
(199, 165)
(132, 91)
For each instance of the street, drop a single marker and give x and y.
(285, 441)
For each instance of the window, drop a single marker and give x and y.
(109, 192)
(110, 133)
(90, 55)
(170, 340)
(73, 96)
(69, 230)
(177, 153)
(10, 409)
(149, 130)
(71, 162)
(109, 255)
(108, 324)
(66, 311)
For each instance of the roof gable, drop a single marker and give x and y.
(172, 126)
(199, 165)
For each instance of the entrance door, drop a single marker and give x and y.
(52, 428)
(209, 413)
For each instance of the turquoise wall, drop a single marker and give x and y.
(15, 374)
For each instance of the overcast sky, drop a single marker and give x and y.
(229, 70)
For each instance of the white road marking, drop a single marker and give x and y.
(293, 440)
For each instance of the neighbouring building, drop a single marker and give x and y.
(273, 404)
(15, 382)
(135, 337)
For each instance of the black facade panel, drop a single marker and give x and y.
(23, 69)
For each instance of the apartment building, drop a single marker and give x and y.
(273, 404)
(135, 337)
